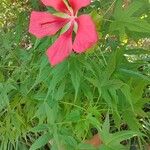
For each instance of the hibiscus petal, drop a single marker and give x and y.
(44, 24)
(86, 34)
(77, 4)
(61, 49)
(56, 4)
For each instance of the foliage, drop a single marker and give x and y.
(106, 88)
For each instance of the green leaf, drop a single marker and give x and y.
(134, 74)
(73, 116)
(127, 93)
(104, 147)
(106, 125)
(70, 141)
(60, 92)
(97, 18)
(94, 121)
(37, 43)
(41, 141)
(4, 90)
(39, 128)
(110, 69)
(132, 8)
(121, 136)
(83, 146)
(112, 147)
(104, 133)
(131, 120)
(125, 19)
(87, 90)
(2, 78)
(50, 113)
(75, 70)
(106, 96)
(58, 73)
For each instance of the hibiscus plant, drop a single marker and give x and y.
(74, 75)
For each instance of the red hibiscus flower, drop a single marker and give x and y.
(45, 24)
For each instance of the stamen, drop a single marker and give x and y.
(69, 8)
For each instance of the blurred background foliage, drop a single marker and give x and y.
(104, 91)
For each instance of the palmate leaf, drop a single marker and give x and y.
(112, 141)
(124, 19)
